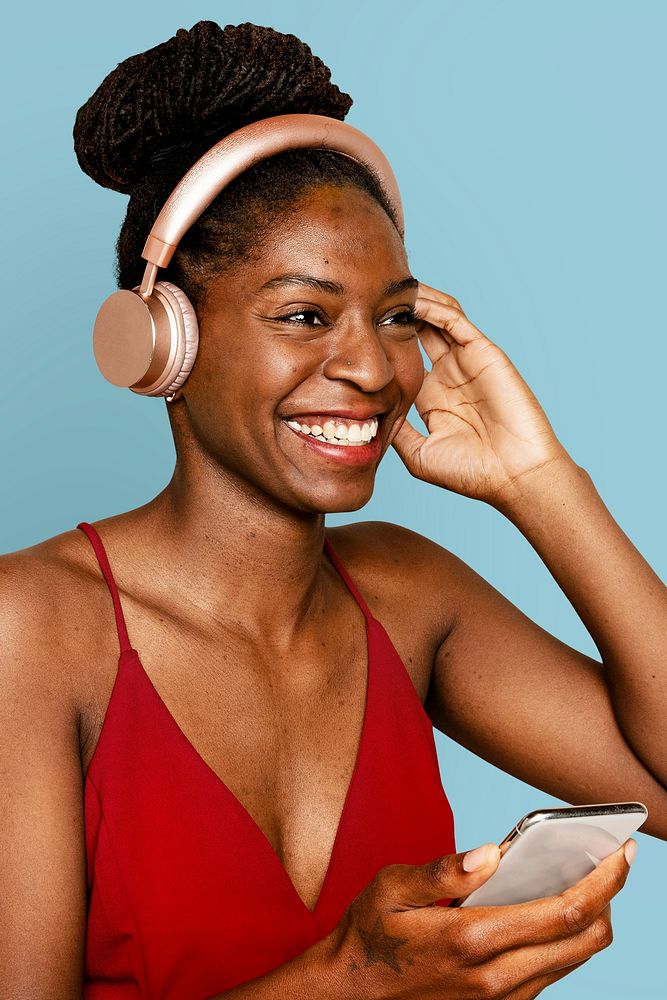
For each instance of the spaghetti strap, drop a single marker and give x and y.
(328, 548)
(102, 559)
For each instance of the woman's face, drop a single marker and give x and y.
(334, 349)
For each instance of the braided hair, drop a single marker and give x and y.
(157, 112)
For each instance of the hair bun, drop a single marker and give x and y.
(199, 83)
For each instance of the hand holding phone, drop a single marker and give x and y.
(549, 850)
(398, 937)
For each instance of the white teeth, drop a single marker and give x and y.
(333, 433)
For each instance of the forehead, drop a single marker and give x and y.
(333, 229)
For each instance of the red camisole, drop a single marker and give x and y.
(186, 895)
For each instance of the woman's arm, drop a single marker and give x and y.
(501, 685)
(312, 975)
(617, 595)
(507, 689)
(42, 855)
(517, 696)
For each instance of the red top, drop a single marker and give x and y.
(186, 896)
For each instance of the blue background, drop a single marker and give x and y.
(529, 144)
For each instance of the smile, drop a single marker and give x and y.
(338, 431)
(351, 442)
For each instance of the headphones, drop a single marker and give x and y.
(146, 339)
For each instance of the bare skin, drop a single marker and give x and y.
(283, 642)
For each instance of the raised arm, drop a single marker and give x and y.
(517, 696)
(583, 729)
(42, 857)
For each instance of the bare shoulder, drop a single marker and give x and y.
(396, 560)
(411, 584)
(48, 592)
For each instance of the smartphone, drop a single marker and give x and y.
(551, 849)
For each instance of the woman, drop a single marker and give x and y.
(262, 799)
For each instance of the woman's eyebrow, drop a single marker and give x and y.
(333, 287)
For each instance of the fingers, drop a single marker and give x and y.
(538, 960)
(578, 906)
(407, 441)
(435, 342)
(535, 986)
(433, 293)
(533, 967)
(444, 313)
(405, 887)
(562, 916)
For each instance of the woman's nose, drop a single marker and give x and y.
(360, 357)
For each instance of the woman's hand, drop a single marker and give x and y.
(393, 942)
(486, 428)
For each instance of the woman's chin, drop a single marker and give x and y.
(341, 501)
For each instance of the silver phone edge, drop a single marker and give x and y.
(583, 812)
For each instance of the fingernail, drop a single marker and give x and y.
(474, 860)
(630, 851)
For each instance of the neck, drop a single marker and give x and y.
(238, 557)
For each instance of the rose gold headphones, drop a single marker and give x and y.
(146, 339)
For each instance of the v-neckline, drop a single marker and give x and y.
(126, 649)
(245, 814)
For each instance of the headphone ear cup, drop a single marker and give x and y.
(188, 330)
(148, 345)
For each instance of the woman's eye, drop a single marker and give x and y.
(405, 318)
(302, 322)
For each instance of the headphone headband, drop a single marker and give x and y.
(242, 149)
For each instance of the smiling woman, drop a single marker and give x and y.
(232, 786)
